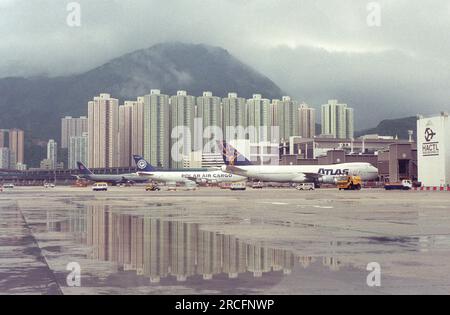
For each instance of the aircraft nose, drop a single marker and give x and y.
(373, 170)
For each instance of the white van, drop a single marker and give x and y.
(306, 186)
(100, 187)
(238, 186)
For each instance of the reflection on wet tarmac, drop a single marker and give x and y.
(159, 248)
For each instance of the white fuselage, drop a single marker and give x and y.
(305, 173)
(193, 176)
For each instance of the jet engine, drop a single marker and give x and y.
(328, 180)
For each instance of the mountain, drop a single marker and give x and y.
(37, 104)
(393, 127)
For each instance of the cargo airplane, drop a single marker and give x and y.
(86, 173)
(236, 163)
(184, 176)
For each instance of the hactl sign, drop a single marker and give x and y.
(430, 148)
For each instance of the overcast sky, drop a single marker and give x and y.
(313, 49)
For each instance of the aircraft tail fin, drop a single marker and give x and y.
(83, 169)
(231, 156)
(142, 165)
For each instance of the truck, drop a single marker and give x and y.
(405, 184)
(350, 183)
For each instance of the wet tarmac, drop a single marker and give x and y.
(212, 241)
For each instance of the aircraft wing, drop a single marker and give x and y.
(312, 176)
(190, 183)
(198, 180)
(236, 170)
(145, 174)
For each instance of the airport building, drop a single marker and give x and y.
(395, 159)
(312, 148)
(398, 162)
(434, 150)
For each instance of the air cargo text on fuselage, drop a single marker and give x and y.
(206, 175)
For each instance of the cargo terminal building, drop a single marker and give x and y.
(433, 144)
(395, 159)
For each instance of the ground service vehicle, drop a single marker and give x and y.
(100, 187)
(405, 184)
(306, 186)
(238, 186)
(152, 187)
(350, 183)
(258, 185)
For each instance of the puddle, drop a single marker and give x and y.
(165, 252)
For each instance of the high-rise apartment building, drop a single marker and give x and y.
(259, 119)
(3, 138)
(286, 116)
(78, 151)
(72, 127)
(234, 117)
(125, 133)
(350, 123)
(337, 120)
(209, 111)
(137, 125)
(4, 158)
(16, 147)
(182, 114)
(157, 129)
(52, 153)
(307, 121)
(103, 128)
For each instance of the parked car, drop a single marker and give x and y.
(49, 185)
(100, 187)
(8, 186)
(306, 186)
